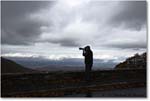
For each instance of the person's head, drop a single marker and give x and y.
(87, 48)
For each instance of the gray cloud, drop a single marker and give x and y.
(128, 45)
(66, 42)
(26, 33)
(113, 29)
(17, 26)
(70, 24)
(132, 15)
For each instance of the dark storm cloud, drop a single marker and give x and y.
(66, 42)
(132, 15)
(17, 8)
(24, 34)
(17, 27)
(128, 46)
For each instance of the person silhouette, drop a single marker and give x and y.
(88, 54)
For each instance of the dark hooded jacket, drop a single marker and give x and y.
(88, 54)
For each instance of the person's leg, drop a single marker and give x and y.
(90, 71)
(88, 74)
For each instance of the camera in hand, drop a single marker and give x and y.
(81, 48)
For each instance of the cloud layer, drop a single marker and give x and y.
(17, 26)
(132, 15)
(72, 23)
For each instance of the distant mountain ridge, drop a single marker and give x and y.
(66, 63)
(9, 66)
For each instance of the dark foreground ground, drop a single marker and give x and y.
(105, 83)
(127, 92)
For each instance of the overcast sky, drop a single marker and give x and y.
(55, 29)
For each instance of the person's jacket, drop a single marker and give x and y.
(88, 57)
